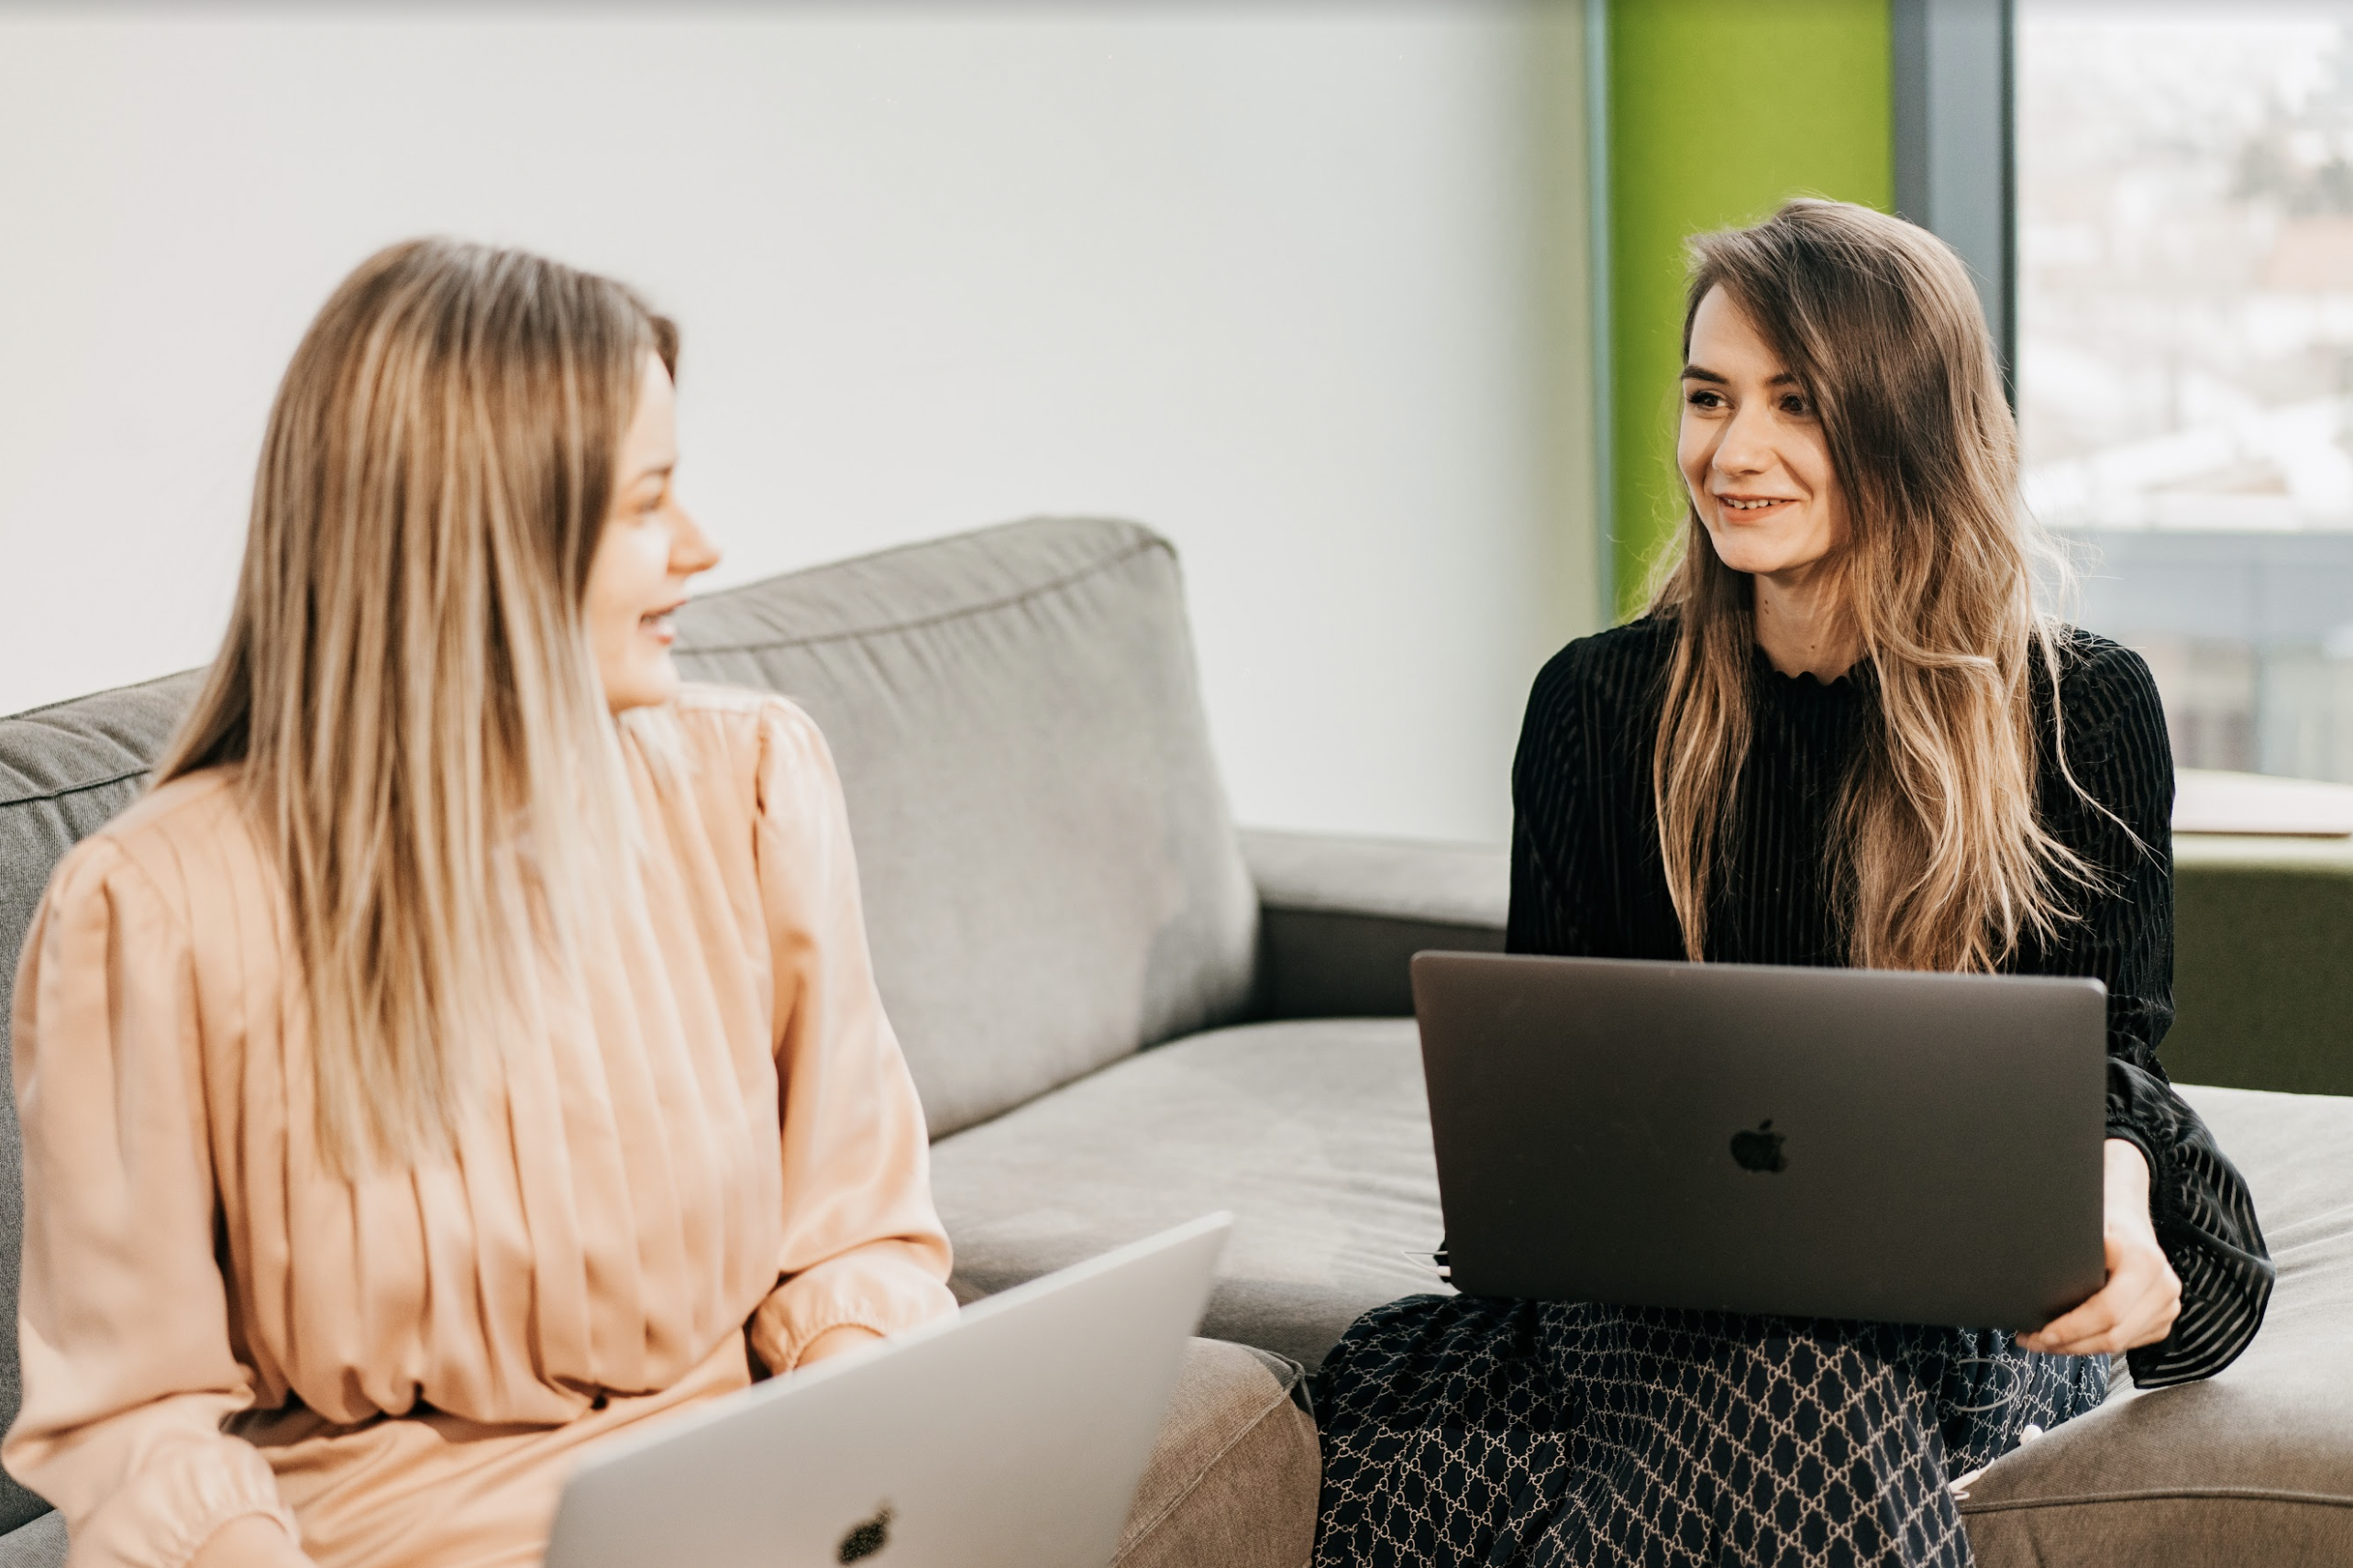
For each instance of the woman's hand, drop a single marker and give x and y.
(834, 1342)
(253, 1541)
(2143, 1294)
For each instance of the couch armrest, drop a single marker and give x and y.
(1339, 918)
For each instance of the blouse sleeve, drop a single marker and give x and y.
(863, 1244)
(1550, 847)
(2203, 1215)
(128, 1373)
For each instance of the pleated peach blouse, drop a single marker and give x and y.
(716, 1149)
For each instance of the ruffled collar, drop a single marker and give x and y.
(1860, 681)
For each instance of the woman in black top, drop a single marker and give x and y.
(1843, 736)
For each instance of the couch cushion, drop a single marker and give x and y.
(1234, 1475)
(40, 1544)
(1051, 874)
(2254, 1465)
(1316, 1135)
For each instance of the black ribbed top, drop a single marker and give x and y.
(1588, 880)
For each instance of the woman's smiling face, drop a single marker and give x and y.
(649, 550)
(1752, 452)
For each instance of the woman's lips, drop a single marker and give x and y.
(655, 623)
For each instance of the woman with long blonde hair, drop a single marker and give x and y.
(1843, 733)
(469, 1049)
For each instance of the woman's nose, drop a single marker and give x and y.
(691, 549)
(1747, 447)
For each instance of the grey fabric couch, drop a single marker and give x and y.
(1122, 1011)
(1052, 882)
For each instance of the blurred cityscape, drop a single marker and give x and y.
(2185, 283)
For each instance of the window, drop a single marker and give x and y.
(2185, 352)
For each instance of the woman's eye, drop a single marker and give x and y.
(1795, 406)
(1703, 398)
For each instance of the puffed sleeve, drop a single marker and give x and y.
(862, 1242)
(1550, 910)
(1586, 877)
(2198, 1202)
(123, 1314)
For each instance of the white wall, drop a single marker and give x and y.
(1261, 279)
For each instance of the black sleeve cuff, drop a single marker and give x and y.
(2205, 1219)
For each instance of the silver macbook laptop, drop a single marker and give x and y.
(1013, 1433)
(1827, 1142)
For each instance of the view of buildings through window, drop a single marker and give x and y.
(2185, 348)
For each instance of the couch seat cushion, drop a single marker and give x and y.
(40, 1544)
(1233, 1478)
(1316, 1135)
(2255, 1465)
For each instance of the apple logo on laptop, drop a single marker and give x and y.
(1756, 1151)
(866, 1538)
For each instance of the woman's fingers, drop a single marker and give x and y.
(2093, 1322)
(2102, 1314)
(2143, 1294)
(2137, 1307)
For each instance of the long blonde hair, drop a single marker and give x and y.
(406, 683)
(1940, 859)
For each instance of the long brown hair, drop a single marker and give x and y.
(1940, 859)
(406, 683)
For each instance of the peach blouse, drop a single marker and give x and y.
(716, 1148)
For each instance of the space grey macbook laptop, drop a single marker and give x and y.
(1013, 1433)
(1828, 1143)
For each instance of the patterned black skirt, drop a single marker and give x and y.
(1466, 1431)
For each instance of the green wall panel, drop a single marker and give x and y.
(1718, 110)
